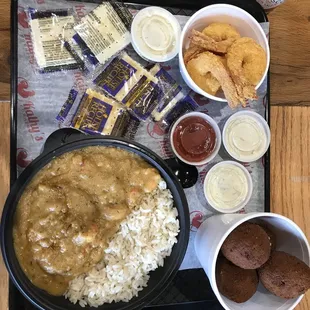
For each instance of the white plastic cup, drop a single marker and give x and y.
(245, 24)
(249, 181)
(214, 231)
(175, 25)
(260, 120)
(214, 125)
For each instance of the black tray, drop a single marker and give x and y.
(190, 289)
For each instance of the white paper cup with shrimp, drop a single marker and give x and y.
(241, 20)
(289, 238)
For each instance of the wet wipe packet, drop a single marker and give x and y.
(130, 83)
(102, 33)
(96, 113)
(168, 93)
(49, 30)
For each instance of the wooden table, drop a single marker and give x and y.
(290, 117)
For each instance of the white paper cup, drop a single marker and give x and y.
(212, 234)
(249, 193)
(245, 23)
(260, 120)
(216, 128)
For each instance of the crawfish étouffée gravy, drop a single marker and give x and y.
(72, 207)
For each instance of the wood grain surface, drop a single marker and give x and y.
(290, 128)
(4, 188)
(290, 50)
(4, 64)
(290, 168)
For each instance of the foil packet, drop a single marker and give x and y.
(130, 83)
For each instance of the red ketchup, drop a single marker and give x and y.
(194, 139)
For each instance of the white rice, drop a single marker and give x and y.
(145, 238)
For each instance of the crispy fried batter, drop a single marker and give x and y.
(206, 63)
(209, 44)
(208, 82)
(246, 61)
(221, 31)
(191, 53)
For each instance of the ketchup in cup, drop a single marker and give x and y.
(194, 139)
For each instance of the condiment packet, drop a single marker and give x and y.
(169, 93)
(185, 105)
(103, 32)
(128, 82)
(77, 53)
(131, 128)
(96, 113)
(49, 29)
(99, 114)
(67, 106)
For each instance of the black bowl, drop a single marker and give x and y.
(159, 279)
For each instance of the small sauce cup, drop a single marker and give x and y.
(228, 186)
(155, 34)
(246, 136)
(195, 138)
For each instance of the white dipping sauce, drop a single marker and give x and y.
(245, 138)
(226, 186)
(155, 34)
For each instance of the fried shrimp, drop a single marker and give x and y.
(208, 82)
(207, 63)
(209, 44)
(192, 52)
(246, 62)
(221, 32)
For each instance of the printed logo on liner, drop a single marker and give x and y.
(21, 158)
(165, 148)
(201, 100)
(196, 219)
(202, 175)
(80, 81)
(31, 120)
(22, 17)
(80, 10)
(23, 88)
(154, 130)
(29, 45)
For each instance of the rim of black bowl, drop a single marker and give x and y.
(159, 279)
